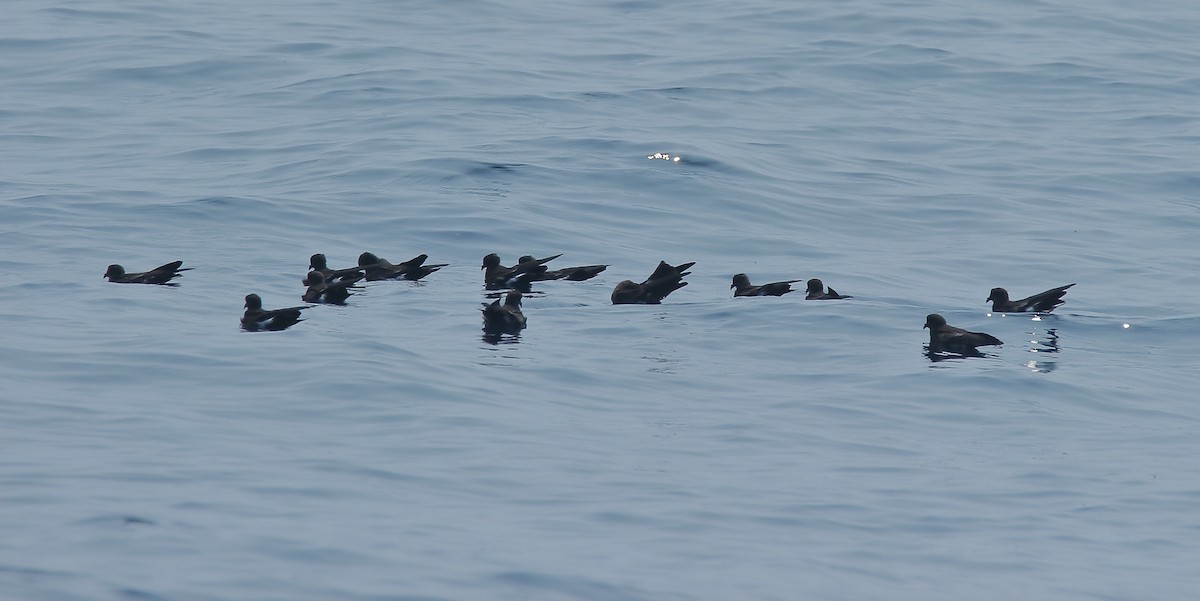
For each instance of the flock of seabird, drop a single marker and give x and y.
(334, 286)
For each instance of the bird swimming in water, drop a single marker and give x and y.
(944, 337)
(499, 277)
(571, 274)
(1042, 302)
(256, 318)
(744, 288)
(665, 280)
(318, 263)
(333, 292)
(504, 318)
(816, 291)
(414, 269)
(163, 274)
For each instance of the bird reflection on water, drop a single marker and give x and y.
(1049, 344)
(1045, 344)
(498, 338)
(936, 356)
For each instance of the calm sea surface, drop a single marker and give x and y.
(913, 154)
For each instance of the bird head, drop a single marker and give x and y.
(934, 321)
(366, 259)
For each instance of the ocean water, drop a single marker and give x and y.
(912, 154)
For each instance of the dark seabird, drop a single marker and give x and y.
(336, 292)
(317, 263)
(497, 276)
(571, 274)
(504, 318)
(817, 291)
(412, 269)
(163, 274)
(1042, 302)
(256, 318)
(744, 288)
(665, 280)
(945, 337)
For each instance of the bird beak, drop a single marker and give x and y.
(925, 327)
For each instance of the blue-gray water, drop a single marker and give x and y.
(913, 154)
